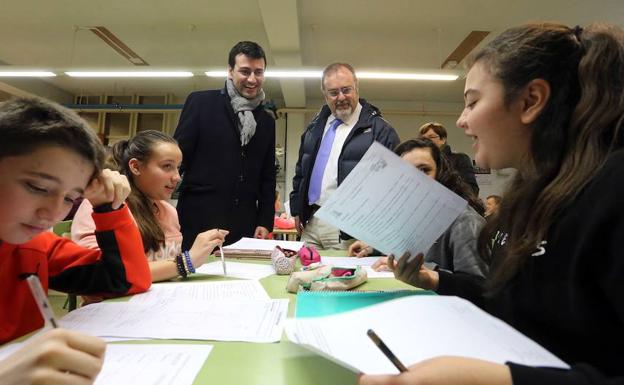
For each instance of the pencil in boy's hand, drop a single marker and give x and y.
(386, 351)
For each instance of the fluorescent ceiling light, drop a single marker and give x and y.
(27, 74)
(406, 76)
(361, 75)
(129, 74)
(274, 74)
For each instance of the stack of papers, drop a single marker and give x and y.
(231, 320)
(257, 248)
(416, 328)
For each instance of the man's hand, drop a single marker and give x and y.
(261, 233)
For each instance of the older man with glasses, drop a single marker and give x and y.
(331, 146)
(462, 163)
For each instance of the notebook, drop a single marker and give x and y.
(322, 303)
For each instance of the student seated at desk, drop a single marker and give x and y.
(150, 160)
(547, 100)
(456, 249)
(49, 157)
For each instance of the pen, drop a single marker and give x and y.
(386, 351)
(223, 261)
(222, 258)
(42, 300)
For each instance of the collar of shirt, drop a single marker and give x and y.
(349, 122)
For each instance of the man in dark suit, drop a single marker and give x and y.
(462, 163)
(228, 146)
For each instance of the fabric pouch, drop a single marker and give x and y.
(283, 260)
(308, 255)
(327, 278)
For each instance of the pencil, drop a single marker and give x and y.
(386, 351)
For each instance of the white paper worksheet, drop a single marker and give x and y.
(388, 203)
(238, 270)
(220, 290)
(152, 364)
(416, 328)
(224, 320)
(246, 243)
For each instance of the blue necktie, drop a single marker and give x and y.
(314, 192)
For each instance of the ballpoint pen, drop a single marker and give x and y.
(386, 351)
(42, 300)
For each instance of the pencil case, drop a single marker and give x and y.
(308, 255)
(283, 260)
(327, 278)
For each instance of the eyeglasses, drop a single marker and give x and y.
(431, 137)
(337, 91)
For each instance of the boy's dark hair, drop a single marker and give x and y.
(247, 48)
(28, 123)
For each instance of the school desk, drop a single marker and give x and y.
(277, 363)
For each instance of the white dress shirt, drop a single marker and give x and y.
(330, 176)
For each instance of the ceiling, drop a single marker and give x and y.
(405, 35)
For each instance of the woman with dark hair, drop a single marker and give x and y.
(150, 160)
(547, 100)
(456, 248)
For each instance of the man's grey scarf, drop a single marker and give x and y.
(243, 107)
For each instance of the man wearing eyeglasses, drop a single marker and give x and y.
(228, 147)
(332, 144)
(460, 161)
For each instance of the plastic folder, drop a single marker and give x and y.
(321, 303)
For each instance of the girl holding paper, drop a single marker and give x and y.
(150, 160)
(547, 100)
(456, 249)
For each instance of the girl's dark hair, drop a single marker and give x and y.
(141, 147)
(445, 173)
(28, 123)
(580, 126)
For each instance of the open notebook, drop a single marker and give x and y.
(415, 328)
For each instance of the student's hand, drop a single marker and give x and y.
(359, 249)
(108, 187)
(413, 272)
(261, 232)
(205, 244)
(446, 370)
(298, 226)
(56, 357)
(381, 264)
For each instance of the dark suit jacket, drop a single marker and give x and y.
(224, 185)
(369, 128)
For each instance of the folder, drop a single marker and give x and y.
(322, 303)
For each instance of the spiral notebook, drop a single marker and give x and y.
(322, 303)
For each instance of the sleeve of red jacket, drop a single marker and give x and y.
(119, 267)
